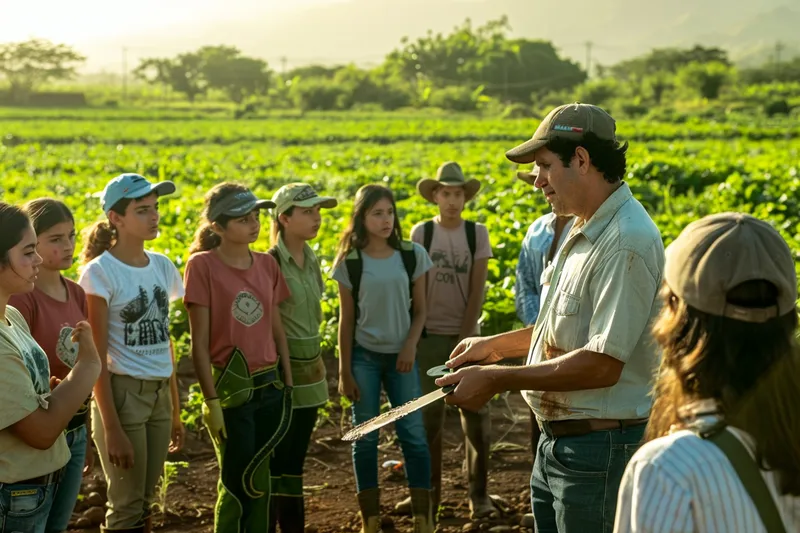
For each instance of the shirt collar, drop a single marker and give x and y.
(594, 227)
(286, 256)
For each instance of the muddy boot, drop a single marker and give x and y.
(477, 430)
(433, 417)
(422, 511)
(291, 514)
(134, 529)
(369, 503)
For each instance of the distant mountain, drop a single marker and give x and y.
(363, 31)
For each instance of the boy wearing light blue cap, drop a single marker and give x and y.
(136, 412)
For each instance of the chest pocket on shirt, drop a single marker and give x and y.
(566, 304)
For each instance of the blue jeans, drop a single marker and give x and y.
(370, 370)
(24, 508)
(575, 480)
(70, 485)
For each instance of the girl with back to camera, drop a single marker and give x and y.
(724, 433)
(136, 412)
(382, 316)
(33, 447)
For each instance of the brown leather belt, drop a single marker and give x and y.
(574, 428)
(52, 477)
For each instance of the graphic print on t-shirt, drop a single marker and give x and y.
(441, 260)
(39, 369)
(66, 350)
(146, 321)
(247, 309)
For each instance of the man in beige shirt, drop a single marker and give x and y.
(590, 356)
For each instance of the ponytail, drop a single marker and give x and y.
(204, 239)
(98, 238)
(276, 228)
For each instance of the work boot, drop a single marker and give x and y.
(369, 503)
(477, 430)
(134, 529)
(421, 510)
(433, 418)
(148, 524)
(291, 514)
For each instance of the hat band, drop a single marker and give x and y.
(757, 315)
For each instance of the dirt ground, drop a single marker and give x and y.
(330, 486)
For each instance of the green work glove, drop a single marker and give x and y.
(213, 419)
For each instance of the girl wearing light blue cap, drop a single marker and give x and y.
(136, 412)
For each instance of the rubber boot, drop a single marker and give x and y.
(422, 511)
(291, 514)
(477, 430)
(433, 417)
(369, 503)
(134, 529)
(148, 524)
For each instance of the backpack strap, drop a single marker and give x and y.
(409, 257)
(427, 237)
(469, 228)
(750, 476)
(355, 267)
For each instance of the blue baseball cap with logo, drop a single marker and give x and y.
(132, 186)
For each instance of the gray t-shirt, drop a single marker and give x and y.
(383, 299)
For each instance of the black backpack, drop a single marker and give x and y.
(355, 268)
(469, 228)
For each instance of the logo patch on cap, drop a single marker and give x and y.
(561, 127)
(305, 194)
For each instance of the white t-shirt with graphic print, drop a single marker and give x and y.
(138, 312)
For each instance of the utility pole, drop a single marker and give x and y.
(588, 45)
(283, 65)
(124, 74)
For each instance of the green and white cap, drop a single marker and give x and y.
(299, 195)
(570, 121)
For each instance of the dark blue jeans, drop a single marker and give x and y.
(575, 480)
(70, 485)
(25, 508)
(370, 370)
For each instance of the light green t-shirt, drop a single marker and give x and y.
(24, 387)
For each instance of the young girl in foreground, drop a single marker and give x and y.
(378, 339)
(136, 413)
(33, 448)
(56, 302)
(296, 220)
(232, 296)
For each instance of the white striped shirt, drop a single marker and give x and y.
(682, 483)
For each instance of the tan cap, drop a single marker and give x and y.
(299, 195)
(529, 176)
(713, 255)
(570, 121)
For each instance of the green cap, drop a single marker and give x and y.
(570, 121)
(300, 195)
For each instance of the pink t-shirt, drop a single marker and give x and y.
(241, 303)
(46, 316)
(448, 280)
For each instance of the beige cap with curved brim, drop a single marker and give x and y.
(529, 176)
(300, 195)
(449, 174)
(237, 204)
(715, 254)
(570, 121)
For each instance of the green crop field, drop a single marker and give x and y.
(679, 171)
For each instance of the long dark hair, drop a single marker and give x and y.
(355, 236)
(750, 369)
(101, 236)
(46, 213)
(14, 221)
(205, 238)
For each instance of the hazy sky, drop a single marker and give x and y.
(77, 21)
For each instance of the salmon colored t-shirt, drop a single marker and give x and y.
(241, 303)
(46, 316)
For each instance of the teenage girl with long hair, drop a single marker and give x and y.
(239, 352)
(55, 305)
(33, 446)
(382, 316)
(136, 412)
(296, 221)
